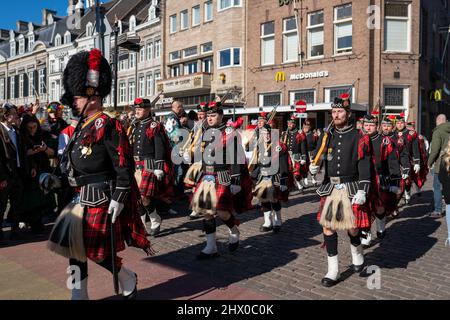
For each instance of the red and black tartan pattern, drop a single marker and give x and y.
(362, 216)
(389, 202)
(223, 194)
(242, 201)
(152, 188)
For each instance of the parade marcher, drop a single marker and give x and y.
(311, 143)
(154, 171)
(12, 167)
(420, 177)
(387, 167)
(407, 140)
(219, 181)
(346, 187)
(295, 142)
(99, 164)
(272, 186)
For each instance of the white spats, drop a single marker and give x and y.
(127, 281)
(333, 268)
(381, 224)
(366, 238)
(277, 218)
(299, 185)
(267, 219)
(81, 293)
(155, 220)
(357, 255)
(194, 215)
(211, 245)
(234, 235)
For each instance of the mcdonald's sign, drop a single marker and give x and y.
(280, 76)
(436, 95)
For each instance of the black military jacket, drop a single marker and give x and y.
(388, 170)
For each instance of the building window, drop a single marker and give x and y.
(132, 23)
(30, 42)
(61, 64)
(150, 85)
(226, 4)
(67, 38)
(315, 35)
(290, 40)
(396, 99)
(175, 71)
(208, 11)
(2, 89)
(184, 20)
(132, 62)
(89, 30)
(191, 67)
(13, 48)
(207, 47)
(309, 96)
(195, 16)
(31, 84)
(331, 93)
(396, 27)
(149, 51)
(157, 49)
(122, 92)
(13, 87)
(57, 40)
(207, 65)
(269, 99)
(173, 23)
(268, 43)
(52, 66)
(131, 92)
(189, 52)
(175, 55)
(21, 86)
(343, 29)
(21, 46)
(41, 81)
(142, 54)
(52, 90)
(141, 86)
(230, 57)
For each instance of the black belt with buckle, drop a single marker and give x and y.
(344, 179)
(214, 169)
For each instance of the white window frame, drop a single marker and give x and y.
(132, 60)
(122, 92)
(329, 99)
(232, 5)
(204, 65)
(187, 65)
(41, 81)
(21, 83)
(293, 92)
(232, 65)
(285, 35)
(21, 45)
(312, 28)
(184, 20)
(339, 22)
(173, 18)
(12, 48)
(67, 38)
(202, 46)
(131, 90)
(61, 64)
(58, 40)
(149, 51)
(30, 42)
(196, 8)
(261, 98)
(206, 4)
(176, 59)
(398, 109)
(175, 71)
(408, 33)
(192, 55)
(52, 90)
(141, 86)
(89, 30)
(132, 23)
(31, 87)
(12, 88)
(157, 49)
(2, 89)
(150, 85)
(142, 54)
(269, 37)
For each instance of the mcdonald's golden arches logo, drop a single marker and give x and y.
(280, 76)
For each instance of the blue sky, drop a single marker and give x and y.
(28, 10)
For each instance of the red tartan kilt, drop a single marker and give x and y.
(389, 201)
(152, 188)
(223, 195)
(96, 235)
(362, 216)
(300, 171)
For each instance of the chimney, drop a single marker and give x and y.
(79, 8)
(45, 15)
(21, 26)
(4, 35)
(71, 7)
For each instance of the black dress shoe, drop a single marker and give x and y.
(265, 229)
(327, 282)
(232, 247)
(276, 229)
(381, 235)
(206, 256)
(359, 268)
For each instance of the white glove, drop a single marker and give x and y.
(404, 176)
(302, 162)
(187, 157)
(313, 169)
(359, 198)
(416, 168)
(394, 189)
(159, 174)
(283, 188)
(235, 189)
(115, 208)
